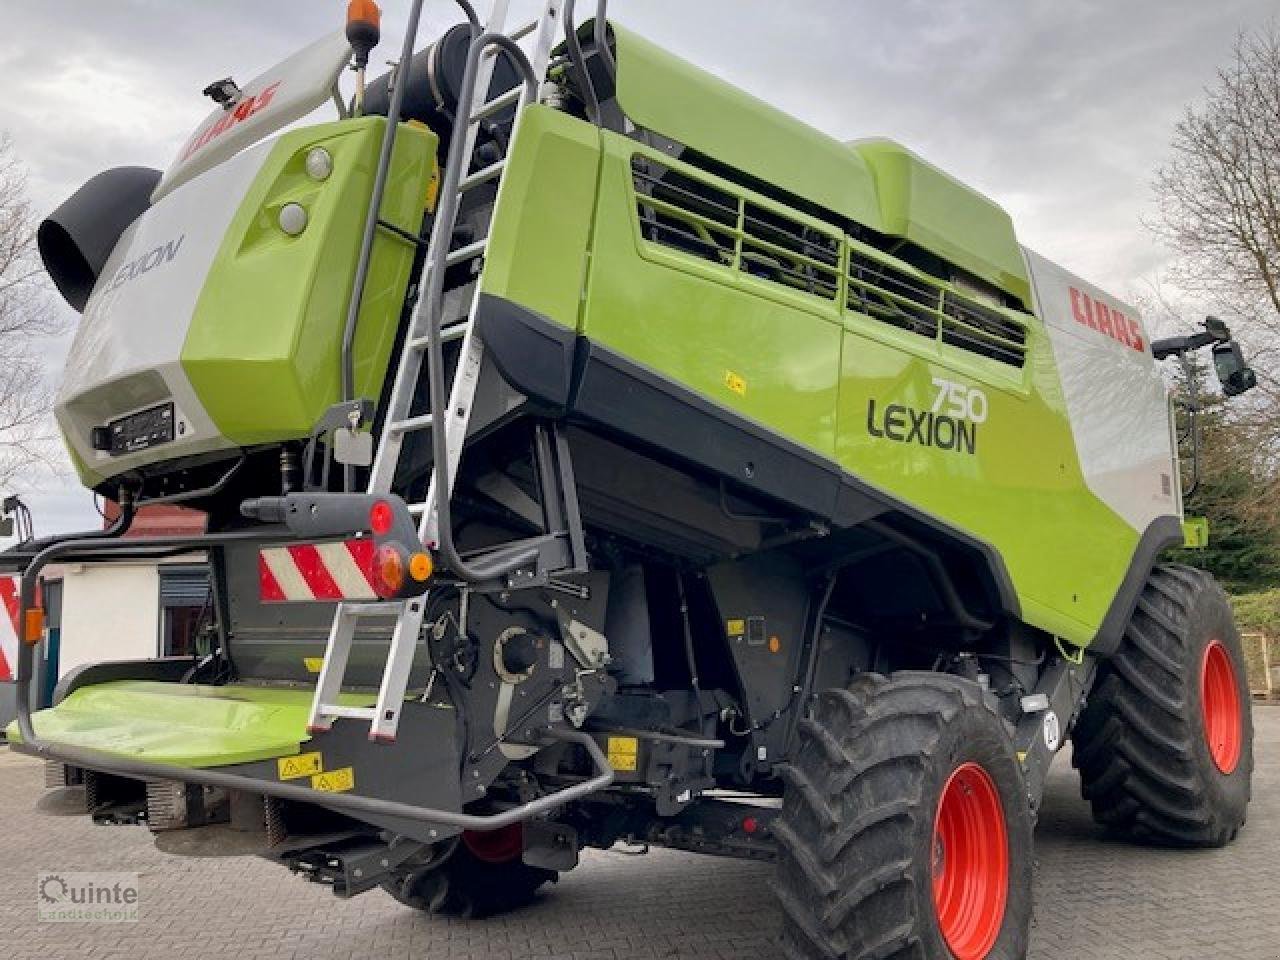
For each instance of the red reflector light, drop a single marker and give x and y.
(750, 824)
(381, 517)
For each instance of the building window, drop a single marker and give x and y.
(184, 606)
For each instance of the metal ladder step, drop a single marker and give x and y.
(496, 105)
(469, 252)
(483, 175)
(413, 423)
(388, 609)
(447, 335)
(350, 713)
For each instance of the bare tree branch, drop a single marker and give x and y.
(27, 317)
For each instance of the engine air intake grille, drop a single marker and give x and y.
(686, 214)
(981, 330)
(710, 221)
(920, 305)
(893, 296)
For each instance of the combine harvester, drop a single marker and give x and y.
(596, 453)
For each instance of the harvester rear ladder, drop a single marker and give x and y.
(384, 718)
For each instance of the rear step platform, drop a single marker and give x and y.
(186, 725)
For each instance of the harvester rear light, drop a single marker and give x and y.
(421, 567)
(389, 570)
(381, 518)
(319, 163)
(398, 573)
(293, 219)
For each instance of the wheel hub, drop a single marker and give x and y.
(1220, 703)
(970, 863)
(496, 846)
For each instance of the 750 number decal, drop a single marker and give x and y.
(951, 423)
(960, 401)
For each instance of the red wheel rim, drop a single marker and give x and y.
(1220, 701)
(970, 863)
(496, 846)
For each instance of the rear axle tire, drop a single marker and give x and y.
(1165, 745)
(482, 876)
(906, 831)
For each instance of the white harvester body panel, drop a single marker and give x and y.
(271, 101)
(1116, 399)
(127, 351)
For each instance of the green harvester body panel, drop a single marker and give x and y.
(267, 333)
(184, 725)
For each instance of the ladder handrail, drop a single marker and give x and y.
(375, 211)
(442, 230)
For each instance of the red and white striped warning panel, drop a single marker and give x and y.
(8, 627)
(317, 571)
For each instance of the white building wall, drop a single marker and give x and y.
(109, 612)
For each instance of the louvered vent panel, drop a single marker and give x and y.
(697, 218)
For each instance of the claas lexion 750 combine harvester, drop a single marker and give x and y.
(594, 453)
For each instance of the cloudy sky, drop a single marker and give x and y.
(1059, 109)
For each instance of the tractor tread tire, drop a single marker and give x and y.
(468, 888)
(857, 804)
(1139, 745)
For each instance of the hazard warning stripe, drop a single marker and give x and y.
(8, 627)
(316, 571)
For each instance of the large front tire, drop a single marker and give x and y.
(1165, 745)
(906, 832)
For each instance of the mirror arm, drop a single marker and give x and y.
(1192, 407)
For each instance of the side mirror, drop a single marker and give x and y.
(1233, 373)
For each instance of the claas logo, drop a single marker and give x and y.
(241, 112)
(1097, 315)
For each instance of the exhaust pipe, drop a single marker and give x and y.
(76, 240)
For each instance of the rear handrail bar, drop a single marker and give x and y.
(19, 557)
(89, 547)
(341, 803)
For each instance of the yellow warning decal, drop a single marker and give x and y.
(335, 781)
(735, 382)
(313, 664)
(303, 765)
(623, 753)
(735, 628)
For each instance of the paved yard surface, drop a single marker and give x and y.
(1095, 900)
